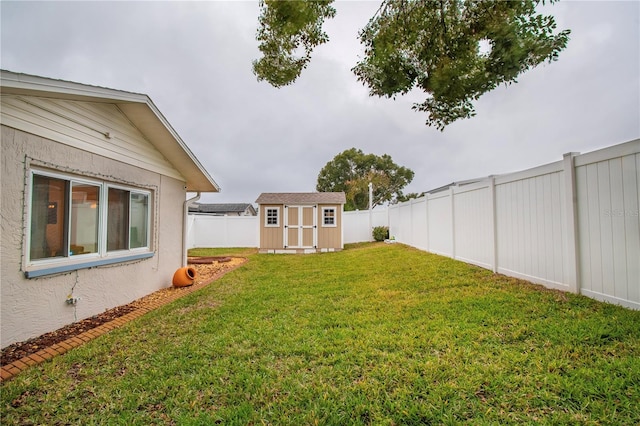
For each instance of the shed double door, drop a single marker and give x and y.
(300, 227)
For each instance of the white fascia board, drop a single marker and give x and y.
(15, 83)
(166, 140)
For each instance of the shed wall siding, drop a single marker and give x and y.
(271, 237)
(83, 125)
(330, 237)
(31, 307)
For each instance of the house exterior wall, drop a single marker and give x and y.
(34, 306)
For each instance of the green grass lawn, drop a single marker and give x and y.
(375, 334)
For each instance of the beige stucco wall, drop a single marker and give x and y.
(31, 307)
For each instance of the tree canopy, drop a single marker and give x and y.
(352, 170)
(452, 50)
(286, 28)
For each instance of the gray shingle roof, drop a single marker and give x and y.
(220, 208)
(301, 198)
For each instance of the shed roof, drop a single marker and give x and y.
(138, 108)
(301, 198)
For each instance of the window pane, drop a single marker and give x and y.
(329, 217)
(48, 227)
(85, 208)
(139, 220)
(118, 219)
(272, 216)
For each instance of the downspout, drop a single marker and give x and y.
(185, 222)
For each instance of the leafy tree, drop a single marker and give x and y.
(409, 196)
(286, 27)
(352, 170)
(452, 50)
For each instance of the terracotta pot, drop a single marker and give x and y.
(184, 277)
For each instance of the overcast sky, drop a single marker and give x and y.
(193, 59)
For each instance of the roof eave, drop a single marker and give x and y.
(138, 108)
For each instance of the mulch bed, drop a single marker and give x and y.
(21, 349)
(206, 270)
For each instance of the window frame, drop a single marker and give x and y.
(131, 190)
(67, 262)
(334, 217)
(267, 217)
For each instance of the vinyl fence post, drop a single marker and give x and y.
(426, 214)
(370, 211)
(494, 228)
(571, 223)
(453, 223)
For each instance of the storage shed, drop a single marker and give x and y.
(300, 222)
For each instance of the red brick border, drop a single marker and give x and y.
(11, 370)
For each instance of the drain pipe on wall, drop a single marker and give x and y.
(185, 222)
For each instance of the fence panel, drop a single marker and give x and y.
(403, 233)
(440, 223)
(531, 238)
(419, 226)
(223, 231)
(608, 194)
(356, 224)
(473, 219)
(395, 226)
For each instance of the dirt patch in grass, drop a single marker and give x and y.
(205, 274)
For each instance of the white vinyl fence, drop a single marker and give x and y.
(222, 231)
(572, 225)
(356, 224)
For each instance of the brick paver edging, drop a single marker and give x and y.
(11, 370)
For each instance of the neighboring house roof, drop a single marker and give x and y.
(301, 198)
(223, 208)
(139, 110)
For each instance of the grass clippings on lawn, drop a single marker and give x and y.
(376, 334)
